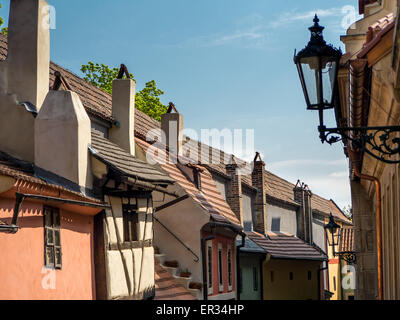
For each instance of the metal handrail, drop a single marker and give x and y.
(197, 259)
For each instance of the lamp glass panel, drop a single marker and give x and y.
(311, 72)
(329, 66)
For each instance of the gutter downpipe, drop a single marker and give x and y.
(378, 227)
(321, 292)
(20, 197)
(238, 265)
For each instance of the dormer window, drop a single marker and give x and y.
(197, 178)
(192, 172)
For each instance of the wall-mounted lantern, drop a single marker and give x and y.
(318, 65)
(334, 236)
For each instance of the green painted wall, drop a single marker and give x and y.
(250, 263)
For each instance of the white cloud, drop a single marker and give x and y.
(254, 31)
(293, 16)
(246, 37)
(306, 162)
(327, 178)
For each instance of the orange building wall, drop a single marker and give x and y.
(22, 256)
(225, 241)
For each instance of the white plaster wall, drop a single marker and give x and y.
(247, 206)
(288, 218)
(127, 273)
(318, 230)
(185, 219)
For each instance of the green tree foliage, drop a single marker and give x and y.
(348, 211)
(5, 29)
(147, 100)
(100, 75)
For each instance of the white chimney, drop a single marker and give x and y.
(28, 60)
(172, 126)
(24, 76)
(62, 137)
(123, 109)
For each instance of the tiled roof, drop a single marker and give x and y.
(209, 198)
(113, 155)
(346, 240)
(376, 32)
(98, 102)
(167, 288)
(10, 169)
(285, 246)
(324, 206)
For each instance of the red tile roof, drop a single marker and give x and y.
(9, 169)
(347, 240)
(376, 32)
(167, 288)
(99, 103)
(209, 198)
(285, 246)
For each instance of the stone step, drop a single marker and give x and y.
(160, 257)
(195, 293)
(184, 281)
(171, 270)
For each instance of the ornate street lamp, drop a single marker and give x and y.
(318, 65)
(318, 69)
(334, 236)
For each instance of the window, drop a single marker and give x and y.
(197, 178)
(309, 275)
(209, 258)
(334, 283)
(290, 275)
(255, 279)
(220, 279)
(240, 280)
(130, 220)
(229, 256)
(52, 240)
(276, 225)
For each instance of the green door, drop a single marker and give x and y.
(250, 286)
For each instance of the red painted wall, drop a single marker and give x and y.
(22, 256)
(225, 241)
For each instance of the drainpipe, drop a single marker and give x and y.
(319, 280)
(238, 265)
(378, 227)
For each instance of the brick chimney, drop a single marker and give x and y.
(234, 197)
(24, 76)
(172, 126)
(260, 203)
(123, 109)
(62, 138)
(302, 195)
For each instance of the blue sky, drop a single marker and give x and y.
(224, 63)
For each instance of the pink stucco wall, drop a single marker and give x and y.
(22, 271)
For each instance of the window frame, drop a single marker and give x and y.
(210, 268)
(229, 268)
(255, 279)
(130, 220)
(220, 269)
(52, 215)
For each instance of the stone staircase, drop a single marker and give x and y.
(161, 258)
